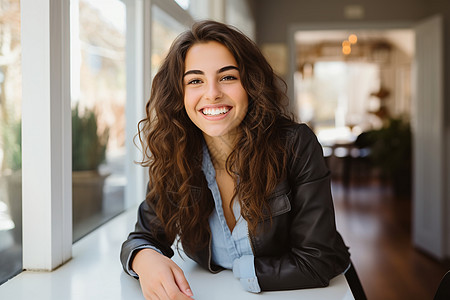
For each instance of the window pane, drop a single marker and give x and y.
(98, 112)
(164, 30)
(10, 141)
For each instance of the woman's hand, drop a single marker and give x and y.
(160, 277)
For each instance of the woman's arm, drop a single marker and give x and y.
(147, 234)
(315, 251)
(160, 277)
(146, 255)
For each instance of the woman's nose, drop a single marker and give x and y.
(213, 91)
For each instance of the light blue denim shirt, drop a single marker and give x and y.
(230, 250)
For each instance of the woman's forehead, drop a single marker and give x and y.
(209, 55)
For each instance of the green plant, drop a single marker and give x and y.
(88, 144)
(391, 151)
(12, 145)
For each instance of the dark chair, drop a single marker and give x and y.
(443, 291)
(361, 156)
(355, 284)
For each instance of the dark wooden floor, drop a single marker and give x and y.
(377, 228)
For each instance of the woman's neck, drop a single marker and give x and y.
(219, 149)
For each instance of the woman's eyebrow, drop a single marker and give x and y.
(224, 69)
(221, 70)
(196, 72)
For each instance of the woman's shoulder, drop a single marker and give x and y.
(300, 140)
(293, 130)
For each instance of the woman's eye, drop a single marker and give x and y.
(194, 81)
(228, 77)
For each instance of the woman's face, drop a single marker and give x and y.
(214, 97)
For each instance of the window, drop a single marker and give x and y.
(336, 94)
(10, 141)
(164, 30)
(98, 92)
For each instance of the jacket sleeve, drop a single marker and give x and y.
(148, 233)
(316, 252)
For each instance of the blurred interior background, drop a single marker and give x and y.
(366, 77)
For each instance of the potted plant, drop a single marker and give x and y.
(11, 135)
(88, 153)
(391, 151)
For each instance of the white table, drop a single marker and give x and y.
(223, 286)
(95, 272)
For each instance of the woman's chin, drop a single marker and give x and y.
(219, 133)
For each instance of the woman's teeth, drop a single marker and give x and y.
(215, 111)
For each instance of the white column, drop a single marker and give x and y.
(46, 134)
(429, 228)
(138, 49)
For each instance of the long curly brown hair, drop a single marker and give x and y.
(173, 145)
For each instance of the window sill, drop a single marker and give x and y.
(94, 272)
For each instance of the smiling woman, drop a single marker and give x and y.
(231, 174)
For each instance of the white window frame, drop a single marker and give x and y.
(175, 11)
(138, 58)
(46, 134)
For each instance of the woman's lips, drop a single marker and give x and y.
(215, 113)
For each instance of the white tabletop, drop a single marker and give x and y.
(223, 286)
(95, 272)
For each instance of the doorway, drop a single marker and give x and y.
(352, 85)
(424, 105)
(427, 114)
(352, 78)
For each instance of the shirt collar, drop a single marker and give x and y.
(207, 166)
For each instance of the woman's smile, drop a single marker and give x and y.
(216, 111)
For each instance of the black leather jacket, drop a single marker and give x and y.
(300, 248)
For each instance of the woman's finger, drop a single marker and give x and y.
(172, 290)
(181, 282)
